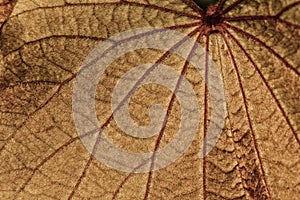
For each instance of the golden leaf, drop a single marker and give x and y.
(255, 45)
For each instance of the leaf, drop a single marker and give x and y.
(6, 7)
(255, 45)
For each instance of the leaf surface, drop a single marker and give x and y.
(255, 45)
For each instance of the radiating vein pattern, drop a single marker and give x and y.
(255, 45)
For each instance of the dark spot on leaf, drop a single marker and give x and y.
(204, 4)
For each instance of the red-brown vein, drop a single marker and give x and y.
(267, 85)
(247, 113)
(87, 165)
(266, 17)
(264, 45)
(158, 140)
(227, 108)
(61, 84)
(288, 7)
(151, 6)
(127, 177)
(92, 131)
(233, 5)
(125, 98)
(205, 116)
(261, 17)
(220, 6)
(92, 37)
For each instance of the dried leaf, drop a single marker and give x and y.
(255, 45)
